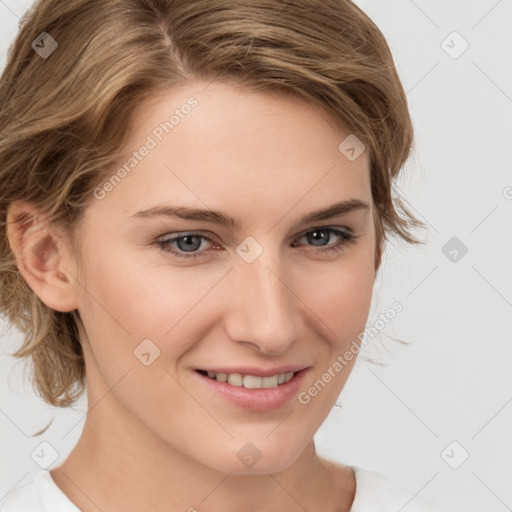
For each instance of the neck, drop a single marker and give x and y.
(107, 470)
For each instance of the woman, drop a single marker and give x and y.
(195, 200)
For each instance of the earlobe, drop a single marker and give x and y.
(39, 252)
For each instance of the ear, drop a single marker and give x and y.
(42, 255)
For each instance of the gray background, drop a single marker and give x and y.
(453, 384)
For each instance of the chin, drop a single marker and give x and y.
(250, 460)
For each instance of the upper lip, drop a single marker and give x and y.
(257, 372)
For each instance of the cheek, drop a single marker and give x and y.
(340, 299)
(340, 296)
(131, 298)
(123, 304)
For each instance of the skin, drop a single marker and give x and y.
(153, 434)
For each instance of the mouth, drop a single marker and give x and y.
(250, 381)
(255, 393)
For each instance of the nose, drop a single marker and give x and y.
(264, 309)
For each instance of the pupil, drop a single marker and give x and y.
(189, 243)
(317, 237)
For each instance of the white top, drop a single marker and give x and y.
(373, 494)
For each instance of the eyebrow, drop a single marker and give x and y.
(222, 219)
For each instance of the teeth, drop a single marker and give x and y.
(270, 382)
(235, 379)
(221, 377)
(251, 381)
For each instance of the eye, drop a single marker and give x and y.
(318, 236)
(188, 244)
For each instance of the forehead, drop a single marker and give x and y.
(217, 144)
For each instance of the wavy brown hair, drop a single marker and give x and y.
(64, 118)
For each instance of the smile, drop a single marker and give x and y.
(250, 392)
(250, 381)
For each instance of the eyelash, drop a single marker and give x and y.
(347, 238)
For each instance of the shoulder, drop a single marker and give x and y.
(376, 494)
(41, 495)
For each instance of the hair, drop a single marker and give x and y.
(64, 117)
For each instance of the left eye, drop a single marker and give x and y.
(190, 242)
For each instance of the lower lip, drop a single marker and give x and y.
(264, 399)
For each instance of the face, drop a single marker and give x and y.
(269, 293)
